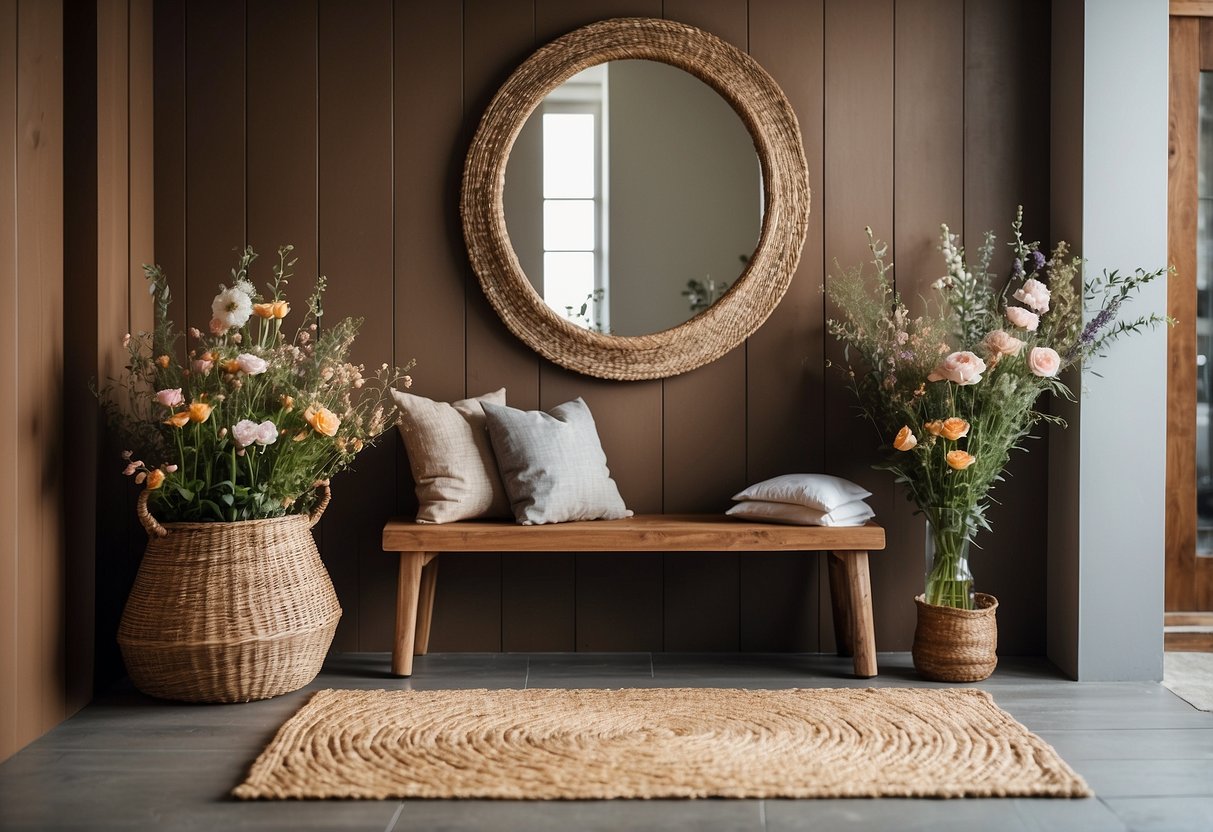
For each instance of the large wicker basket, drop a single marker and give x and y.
(952, 645)
(228, 612)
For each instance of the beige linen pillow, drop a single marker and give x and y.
(553, 465)
(451, 457)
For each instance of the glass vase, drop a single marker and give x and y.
(949, 581)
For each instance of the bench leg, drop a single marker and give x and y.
(425, 603)
(858, 599)
(840, 605)
(408, 587)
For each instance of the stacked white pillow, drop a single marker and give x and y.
(804, 500)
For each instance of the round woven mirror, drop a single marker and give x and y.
(765, 274)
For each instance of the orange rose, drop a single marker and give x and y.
(322, 419)
(954, 428)
(199, 412)
(280, 309)
(231, 365)
(155, 479)
(163, 362)
(178, 420)
(959, 460)
(906, 440)
(263, 310)
(935, 428)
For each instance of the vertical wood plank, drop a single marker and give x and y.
(215, 138)
(40, 694)
(106, 198)
(705, 409)
(140, 143)
(859, 43)
(629, 423)
(281, 139)
(8, 378)
(1007, 53)
(169, 151)
(431, 263)
(785, 376)
(1182, 232)
(497, 36)
(928, 160)
(113, 172)
(80, 321)
(356, 252)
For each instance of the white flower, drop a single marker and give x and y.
(251, 364)
(247, 432)
(232, 307)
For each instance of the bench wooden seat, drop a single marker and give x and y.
(419, 545)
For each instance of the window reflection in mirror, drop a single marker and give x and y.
(633, 197)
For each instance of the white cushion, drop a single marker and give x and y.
(819, 491)
(553, 465)
(849, 514)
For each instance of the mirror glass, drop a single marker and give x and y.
(633, 197)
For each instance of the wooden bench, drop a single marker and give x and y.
(420, 544)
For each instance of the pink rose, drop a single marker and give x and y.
(1022, 318)
(1000, 342)
(170, 397)
(247, 432)
(217, 327)
(202, 366)
(1044, 362)
(251, 364)
(959, 368)
(1035, 294)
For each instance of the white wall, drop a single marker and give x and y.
(1107, 471)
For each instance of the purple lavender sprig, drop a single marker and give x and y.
(1090, 332)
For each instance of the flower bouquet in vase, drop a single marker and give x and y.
(952, 391)
(234, 436)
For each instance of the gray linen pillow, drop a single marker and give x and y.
(451, 458)
(553, 465)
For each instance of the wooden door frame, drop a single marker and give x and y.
(1189, 579)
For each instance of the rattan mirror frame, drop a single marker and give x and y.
(768, 116)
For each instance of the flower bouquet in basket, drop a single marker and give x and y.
(232, 434)
(953, 391)
(256, 417)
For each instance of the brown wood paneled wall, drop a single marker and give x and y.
(33, 692)
(75, 225)
(341, 127)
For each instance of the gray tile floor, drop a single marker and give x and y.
(132, 763)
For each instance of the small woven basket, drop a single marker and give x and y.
(228, 612)
(952, 645)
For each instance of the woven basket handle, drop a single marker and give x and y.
(314, 517)
(153, 528)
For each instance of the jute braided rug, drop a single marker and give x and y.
(570, 744)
